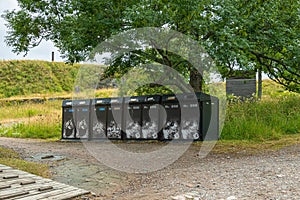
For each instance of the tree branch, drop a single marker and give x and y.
(261, 55)
(160, 51)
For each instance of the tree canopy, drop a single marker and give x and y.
(253, 34)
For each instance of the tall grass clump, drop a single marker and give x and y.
(41, 128)
(268, 119)
(27, 110)
(30, 120)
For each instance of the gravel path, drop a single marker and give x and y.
(269, 175)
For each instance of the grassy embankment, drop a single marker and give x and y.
(35, 77)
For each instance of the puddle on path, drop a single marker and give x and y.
(92, 177)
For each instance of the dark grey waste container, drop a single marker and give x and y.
(68, 120)
(82, 118)
(209, 116)
(133, 117)
(171, 128)
(151, 117)
(99, 110)
(114, 118)
(191, 116)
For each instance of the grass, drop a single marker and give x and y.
(11, 158)
(254, 146)
(268, 119)
(29, 120)
(106, 93)
(38, 129)
(43, 96)
(28, 110)
(24, 77)
(274, 90)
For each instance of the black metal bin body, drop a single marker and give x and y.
(171, 127)
(114, 118)
(99, 110)
(82, 118)
(190, 116)
(209, 117)
(133, 117)
(151, 117)
(68, 120)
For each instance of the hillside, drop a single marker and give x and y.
(24, 77)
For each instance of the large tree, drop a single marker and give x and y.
(253, 34)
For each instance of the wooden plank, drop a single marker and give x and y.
(10, 191)
(36, 183)
(10, 176)
(27, 188)
(35, 196)
(4, 167)
(15, 171)
(56, 186)
(4, 187)
(16, 174)
(18, 181)
(33, 193)
(27, 182)
(45, 188)
(15, 194)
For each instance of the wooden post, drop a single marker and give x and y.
(52, 56)
(259, 92)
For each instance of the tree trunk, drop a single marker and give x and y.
(196, 80)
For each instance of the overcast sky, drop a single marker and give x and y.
(42, 52)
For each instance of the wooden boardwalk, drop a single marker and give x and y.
(16, 184)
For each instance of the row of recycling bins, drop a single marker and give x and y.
(157, 117)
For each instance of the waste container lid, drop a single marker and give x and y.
(101, 101)
(152, 98)
(169, 98)
(179, 97)
(200, 96)
(67, 103)
(134, 99)
(117, 100)
(82, 102)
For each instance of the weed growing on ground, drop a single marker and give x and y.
(11, 158)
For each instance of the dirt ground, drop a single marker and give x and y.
(268, 175)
